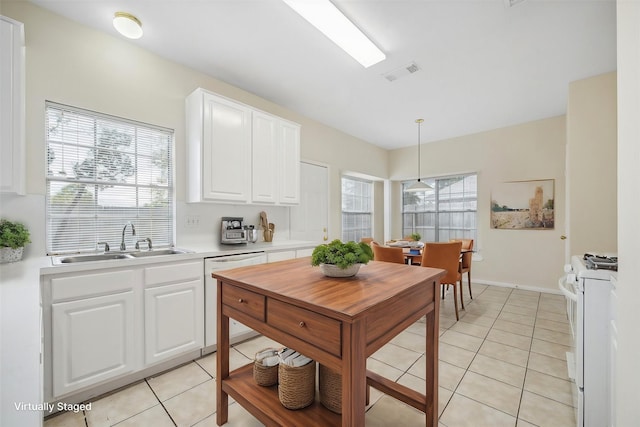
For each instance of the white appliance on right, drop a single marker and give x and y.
(590, 292)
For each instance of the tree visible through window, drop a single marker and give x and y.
(449, 211)
(102, 172)
(357, 209)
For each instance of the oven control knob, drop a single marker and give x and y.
(568, 268)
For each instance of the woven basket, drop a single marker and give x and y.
(265, 376)
(297, 385)
(330, 388)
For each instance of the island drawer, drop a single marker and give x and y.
(243, 301)
(316, 329)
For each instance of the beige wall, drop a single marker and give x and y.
(592, 165)
(535, 150)
(627, 377)
(75, 65)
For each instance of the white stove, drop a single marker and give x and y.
(589, 292)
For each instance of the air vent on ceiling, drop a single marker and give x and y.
(405, 70)
(511, 3)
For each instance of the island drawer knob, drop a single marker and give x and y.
(301, 324)
(240, 300)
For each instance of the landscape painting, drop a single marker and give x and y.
(521, 205)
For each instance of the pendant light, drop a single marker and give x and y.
(418, 185)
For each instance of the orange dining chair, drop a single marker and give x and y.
(387, 254)
(465, 264)
(367, 240)
(445, 255)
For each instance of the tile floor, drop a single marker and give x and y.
(502, 364)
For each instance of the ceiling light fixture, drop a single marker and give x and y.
(323, 15)
(418, 185)
(127, 25)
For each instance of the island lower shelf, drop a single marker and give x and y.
(264, 404)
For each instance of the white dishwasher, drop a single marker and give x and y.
(237, 331)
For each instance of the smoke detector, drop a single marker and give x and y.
(405, 70)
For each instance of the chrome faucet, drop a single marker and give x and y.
(146, 239)
(106, 246)
(123, 247)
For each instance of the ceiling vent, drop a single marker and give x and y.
(405, 70)
(511, 3)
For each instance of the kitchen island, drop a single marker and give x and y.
(338, 322)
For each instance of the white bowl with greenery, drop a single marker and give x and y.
(13, 237)
(338, 259)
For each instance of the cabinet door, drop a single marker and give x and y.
(12, 170)
(174, 320)
(289, 168)
(226, 150)
(265, 147)
(93, 340)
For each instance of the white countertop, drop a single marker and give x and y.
(20, 320)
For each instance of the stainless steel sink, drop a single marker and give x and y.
(88, 258)
(116, 256)
(144, 254)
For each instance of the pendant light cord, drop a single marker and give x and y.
(419, 122)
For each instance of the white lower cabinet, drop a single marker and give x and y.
(106, 324)
(93, 340)
(174, 319)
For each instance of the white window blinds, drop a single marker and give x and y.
(357, 209)
(103, 171)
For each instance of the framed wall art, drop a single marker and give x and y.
(523, 205)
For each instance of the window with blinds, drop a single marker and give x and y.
(357, 209)
(449, 211)
(102, 172)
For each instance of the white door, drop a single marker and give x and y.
(93, 340)
(310, 219)
(226, 167)
(174, 320)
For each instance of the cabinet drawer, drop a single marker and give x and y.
(306, 325)
(243, 301)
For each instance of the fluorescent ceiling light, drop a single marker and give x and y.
(127, 25)
(323, 15)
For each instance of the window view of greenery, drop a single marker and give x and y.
(357, 209)
(102, 172)
(449, 211)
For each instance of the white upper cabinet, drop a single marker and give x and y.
(264, 158)
(289, 163)
(239, 154)
(218, 149)
(12, 156)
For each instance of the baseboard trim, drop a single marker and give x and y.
(516, 286)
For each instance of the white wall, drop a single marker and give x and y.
(69, 63)
(628, 288)
(592, 165)
(531, 151)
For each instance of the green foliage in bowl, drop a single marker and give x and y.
(13, 234)
(342, 254)
(416, 237)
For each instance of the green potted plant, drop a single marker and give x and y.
(13, 237)
(338, 259)
(416, 237)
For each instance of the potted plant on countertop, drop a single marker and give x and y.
(13, 237)
(338, 259)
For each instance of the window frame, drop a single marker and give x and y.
(140, 187)
(355, 234)
(452, 232)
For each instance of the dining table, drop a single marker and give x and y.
(413, 256)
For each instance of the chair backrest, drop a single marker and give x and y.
(367, 240)
(444, 255)
(387, 254)
(466, 258)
